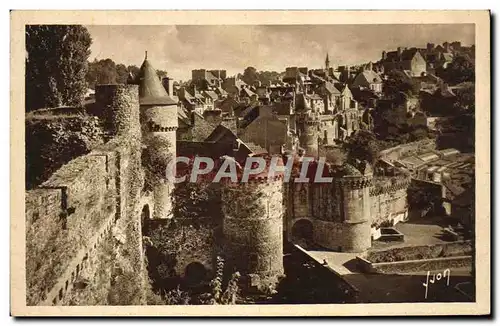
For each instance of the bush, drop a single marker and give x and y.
(54, 141)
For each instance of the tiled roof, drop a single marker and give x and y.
(221, 91)
(212, 95)
(254, 148)
(210, 75)
(330, 88)
(219, 132)
(371, 76)
(248, 92)
(407, 54)
(314, 96)
(151, 91)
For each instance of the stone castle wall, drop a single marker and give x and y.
(389, 200)
(84, 244)
(342, 213)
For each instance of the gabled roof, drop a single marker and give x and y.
(199, 96)
(151, 91)
(254, 148)
(219, 133)
(367, 76)
(407, 54)
(188, 97)
(212, 95)
(314, 97)
(247, 110)
(221, 91)
(248, 92)
(330, 88)
(210, 75)
(182, 115)
(346, 91)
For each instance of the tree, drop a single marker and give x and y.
(397, 84)
(460, 70)
(56, 65)
(121, 74)
(250, 75)
(466, 98)
(161, 73)
(363, 146)
(102, 72)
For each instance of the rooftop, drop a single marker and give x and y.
(151, 91)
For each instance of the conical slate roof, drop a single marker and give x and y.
(151, 91)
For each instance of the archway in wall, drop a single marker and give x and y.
(145, 218)
(302, 233)
(195, 274)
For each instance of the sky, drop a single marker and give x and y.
(178, 49)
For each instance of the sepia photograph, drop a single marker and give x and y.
(304, 163)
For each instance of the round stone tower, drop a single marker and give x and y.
(119, 109)
(159, 125)
(354, 189)
(252, 228)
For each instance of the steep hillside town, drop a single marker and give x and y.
(106, 225)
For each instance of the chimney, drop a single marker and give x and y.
(384, 55)
(446, 46)
(430, 46)
(400, 51)
(213, 116)
(168, 84)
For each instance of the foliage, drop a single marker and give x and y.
(50, 143)
(461, 69)
(251, 76)
(397, 84)
(335, 155)
(466, 98)
(419, 197)
(155, 158)
(363, 146)
(106, 71)
(101, 72)
(218, 294)
(56, 64)
(197, 200)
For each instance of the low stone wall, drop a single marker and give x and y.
(452, 249)
(408, 266)
(409, 149)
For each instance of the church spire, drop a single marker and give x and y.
(327, 62)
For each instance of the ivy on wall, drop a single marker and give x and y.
(55, 140)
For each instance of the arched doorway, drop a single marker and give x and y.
(302, 233)
(195, 273)
(145, 217)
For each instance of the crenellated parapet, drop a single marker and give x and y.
(354, 183)
(389, 185)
